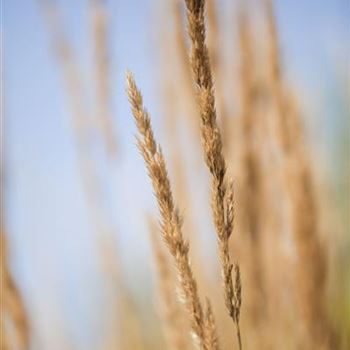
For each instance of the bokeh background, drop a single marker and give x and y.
(46, 214)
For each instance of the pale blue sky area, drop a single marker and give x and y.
(45, 208)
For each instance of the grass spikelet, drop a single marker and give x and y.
(222, 193)
(210, 326)
(171, 223)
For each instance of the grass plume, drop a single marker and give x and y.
(171, 222)
(221, 188)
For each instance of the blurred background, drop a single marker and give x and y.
(76, 195)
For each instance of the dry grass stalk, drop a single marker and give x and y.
(124, 331)
(222, 190)
(276, 80)
(75, 91)
(12, 308)
(80, 116)
(100, 38)
(171, 99)
(251, 178)
(172, 125)
(188, 90)
(72, 78)
(171, 223)
(4, 341)
(311, 267)
(173, 321)
(92, 185)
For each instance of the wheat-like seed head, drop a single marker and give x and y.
(212, 339)
(171, 223)
(222, 198)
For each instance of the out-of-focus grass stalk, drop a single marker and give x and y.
(301, 196)
(100, 37)
(15, 330)
(173, 319)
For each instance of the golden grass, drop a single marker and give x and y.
(285, 288)
(14, 322)
(311, 268)
(171, 222)
(222, 191)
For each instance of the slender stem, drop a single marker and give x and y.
(238, 335)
